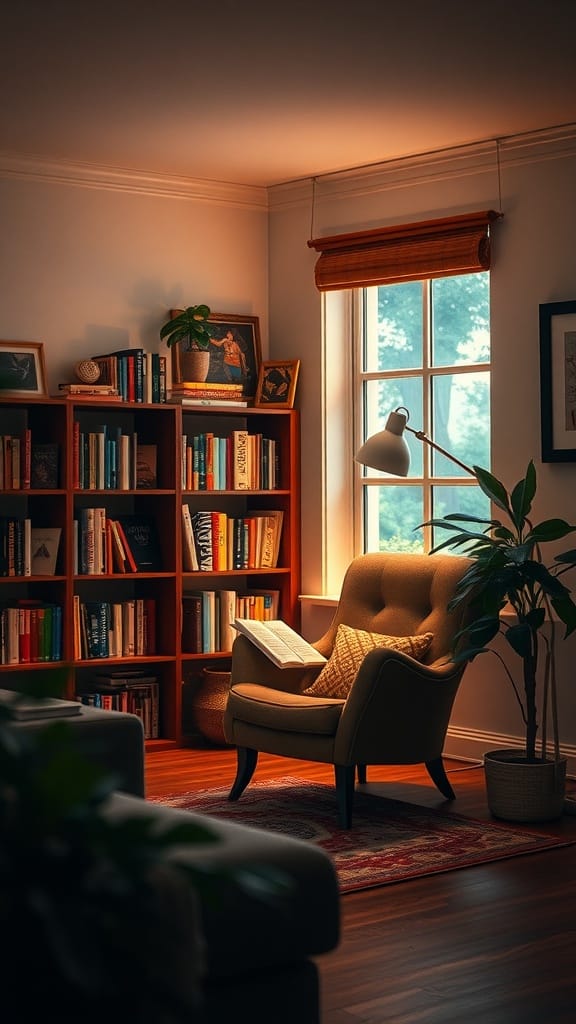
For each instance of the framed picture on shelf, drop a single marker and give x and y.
(22, 368)
(277, 383)
(558, 381)
(235, 351)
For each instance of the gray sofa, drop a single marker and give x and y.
(259, 954)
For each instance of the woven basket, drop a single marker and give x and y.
(518, 791)
(209, 703)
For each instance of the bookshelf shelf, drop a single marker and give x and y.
(155, 438)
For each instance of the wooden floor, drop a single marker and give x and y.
(485, 945)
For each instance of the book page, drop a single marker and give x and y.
(296, 643)
(279, 642)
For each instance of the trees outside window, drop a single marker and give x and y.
(424, 345)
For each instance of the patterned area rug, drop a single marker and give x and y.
(390, 841)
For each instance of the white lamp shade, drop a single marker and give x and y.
(387, 450)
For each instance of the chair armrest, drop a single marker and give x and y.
(397, 702)
(250, 665)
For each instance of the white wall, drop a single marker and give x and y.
(94, 266)
(534, 261)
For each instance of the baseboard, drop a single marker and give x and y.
(471, 745)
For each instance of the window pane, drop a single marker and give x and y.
(461, 320)
(393, 327)
(470, 501)
(381, 398)
(461, 421)
(391, 516)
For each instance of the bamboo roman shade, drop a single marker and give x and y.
(405, 252)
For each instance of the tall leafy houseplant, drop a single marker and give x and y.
(507, 569)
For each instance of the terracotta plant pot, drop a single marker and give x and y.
(189, 366)
(518, 790)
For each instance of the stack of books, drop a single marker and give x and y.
(208, 393)
(89, 391)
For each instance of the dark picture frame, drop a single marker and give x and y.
(558, 381)
(277, 383)
(243, 334)
(22, 368)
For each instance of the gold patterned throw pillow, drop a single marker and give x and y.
(350, 648)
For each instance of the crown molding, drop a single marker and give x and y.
(93, 176)
(404, 172)
(426, 168)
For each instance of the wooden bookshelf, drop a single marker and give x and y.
(165, 426)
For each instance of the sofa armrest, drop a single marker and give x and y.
(243, 931)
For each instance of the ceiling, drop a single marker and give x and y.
(260, 93)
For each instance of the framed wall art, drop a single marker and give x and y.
(235, 351)
(277, 383)
(22, 368)
(558, 381)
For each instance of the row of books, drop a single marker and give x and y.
(105, 545)
(108, 459)
(26, 465)
(214, 541)
(134, 693)
(27, 550)
(105, 629)
(207, 617)
(138, 375)
(239, 461)
(30, 631)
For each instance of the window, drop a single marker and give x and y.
(424, 345)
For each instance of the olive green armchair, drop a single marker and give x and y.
(386, 692)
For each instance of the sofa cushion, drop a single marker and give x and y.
(350, 648)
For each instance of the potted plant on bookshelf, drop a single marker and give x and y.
(187, 334)
(507, 572)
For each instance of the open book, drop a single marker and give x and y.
(279, 642)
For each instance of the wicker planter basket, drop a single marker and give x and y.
(209, 703)
(518, 791)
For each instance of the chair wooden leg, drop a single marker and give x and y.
(247, 761)
(439, 778)
(344, 776)
(361, 773)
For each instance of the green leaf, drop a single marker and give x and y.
(493, 489)
(550, 529)
(190, 324)
(522, 495)
(520, 638)
(462, 517)
(199, 312)
(482, 631)
(566, 612)
(535, 618)
(174, 332)
(567, 557)
(503, 533)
